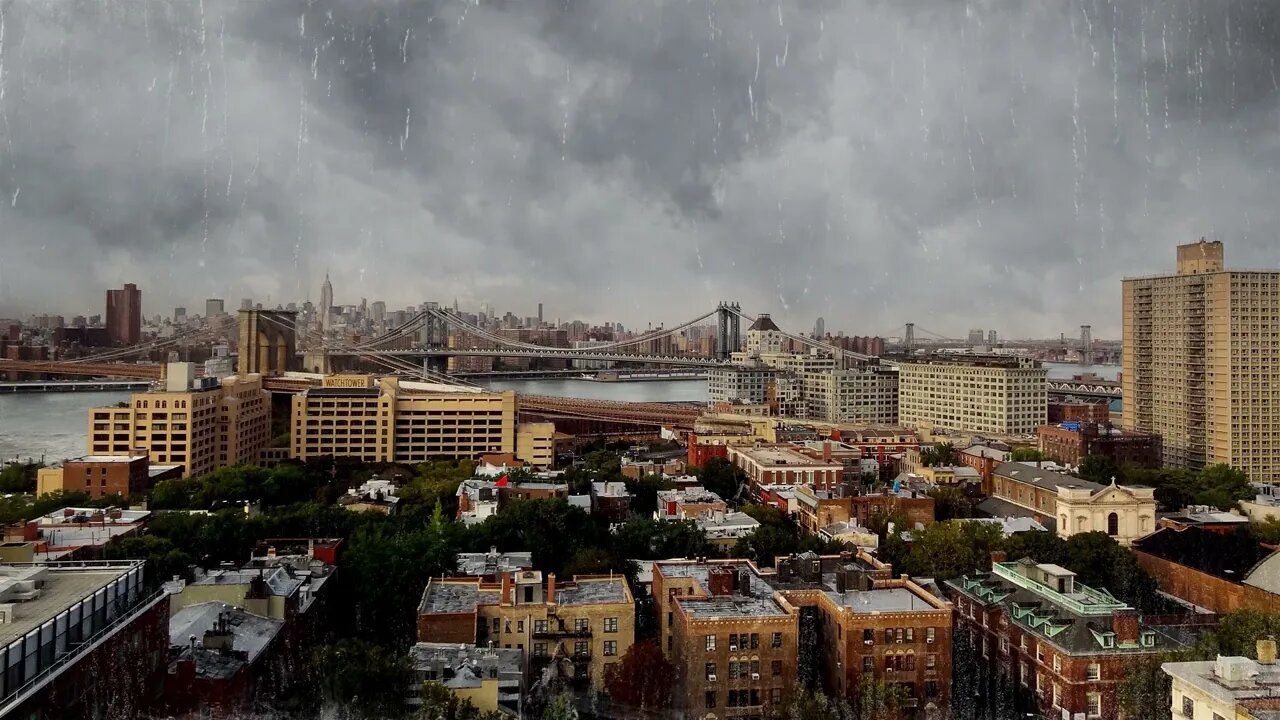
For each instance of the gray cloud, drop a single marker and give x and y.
(990, 163)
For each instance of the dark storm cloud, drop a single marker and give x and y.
(990, 163)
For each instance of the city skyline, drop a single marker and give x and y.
(846, 160)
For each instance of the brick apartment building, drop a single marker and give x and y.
(816, 509)
(874, 626)
(1074, 410)
(783, 465)
(1062, 644)
(102, 475)
(1071, 442)
(741, 640)
(578, 627)
(733, 639)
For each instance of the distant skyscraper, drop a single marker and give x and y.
(213, 308)
(246, 303)
(124, 315)
(539, 314)
(820, 328)
(179, 315)
(326, 303)
(991, 338)
(378, 311)
(975, 336)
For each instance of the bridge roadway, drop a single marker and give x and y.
(652, 414)
(547, 353)
(1086, 388)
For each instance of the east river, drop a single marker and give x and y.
(53, 426)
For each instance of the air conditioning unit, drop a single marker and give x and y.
(868, 642)
(711, 678)
(733, 648)
(755, 676)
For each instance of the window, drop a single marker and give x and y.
(611, 625)
(733, 641)
(496, 624)
(1093, 704)
(1057, 663)
(581, 648)
(1113, 524)
(777, 640)
(581, 625)
(1095, 672)
(1004, 645)
(711, 643)
(1188, 707)
(888, 635)
(755, 640)
(540, 649)
(868, 663)
(610, 647)
(1039, 652)
(911, 634)
(775, 695)
(711, 672)
(1057, 695)
(775, 668)
(931, 688)
(930, 635)
(539, 626)
(869, 637)
(711, 699)
(519, 626)
(930, 662)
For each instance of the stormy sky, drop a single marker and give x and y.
(993, 163)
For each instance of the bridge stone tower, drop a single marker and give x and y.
(268, 343)
(435, 328)
(909, 339)
(728, 335)
(1086, 344)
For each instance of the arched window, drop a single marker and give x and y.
(1113, 524)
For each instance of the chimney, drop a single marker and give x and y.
(551, 588)
(744, 581)
(720, 581)
(998, 556)
(826, 451)
(311, 547)
(1125, 625)
(1267, 651)
(508, 596)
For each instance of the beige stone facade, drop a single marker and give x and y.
(206, 426)
(383, 421)
(1008, 396)
(1202, 363)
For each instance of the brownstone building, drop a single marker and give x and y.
(1070, 443)
(816, 509)
(101, 475)
(578, 627)
(1063, 646)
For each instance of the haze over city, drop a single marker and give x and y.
(868, 162)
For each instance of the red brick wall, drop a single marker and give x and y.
(1203, 589)
(447, 628)
(699, 454)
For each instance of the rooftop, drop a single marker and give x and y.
(250, 634)
(896, 599)
(456, 596)
(695, 494)
(93, 516)
(1228, 555)
(106, 459)
(1228, 679)
(991, 361)
(781, 456)
(58, 587)
(592, 591)
(1011, 524)
(1040, 477)
(757, 602)
(467, 666)
(492, 562)
(279, 580)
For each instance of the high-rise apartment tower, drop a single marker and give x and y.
(1202, 362)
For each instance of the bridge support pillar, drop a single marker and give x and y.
(728, 336)
(268, 342)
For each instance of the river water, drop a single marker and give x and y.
(54, 425)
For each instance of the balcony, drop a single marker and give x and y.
(560, 631)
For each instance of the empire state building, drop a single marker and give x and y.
(326, 304)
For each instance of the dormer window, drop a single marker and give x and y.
(1148, 638)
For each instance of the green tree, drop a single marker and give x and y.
(766, 543)
(643, 680)
(1267, 531)
(561, 707)
(1238, 633)
(19, 477)
(809, 704)
(723, 478)
(878, 700)
(951, 549)
(950, 503)
(164, 559)
(644, 493)
(941, 454)
(1099, 469)
(643, 538)
(1026, 454)
(589, 561)
(367, 680)
(1144, 691)
(1222, 486)
(880, 520)
(439, 703)
(606, 465)
(1039, 545)
(768, 515)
